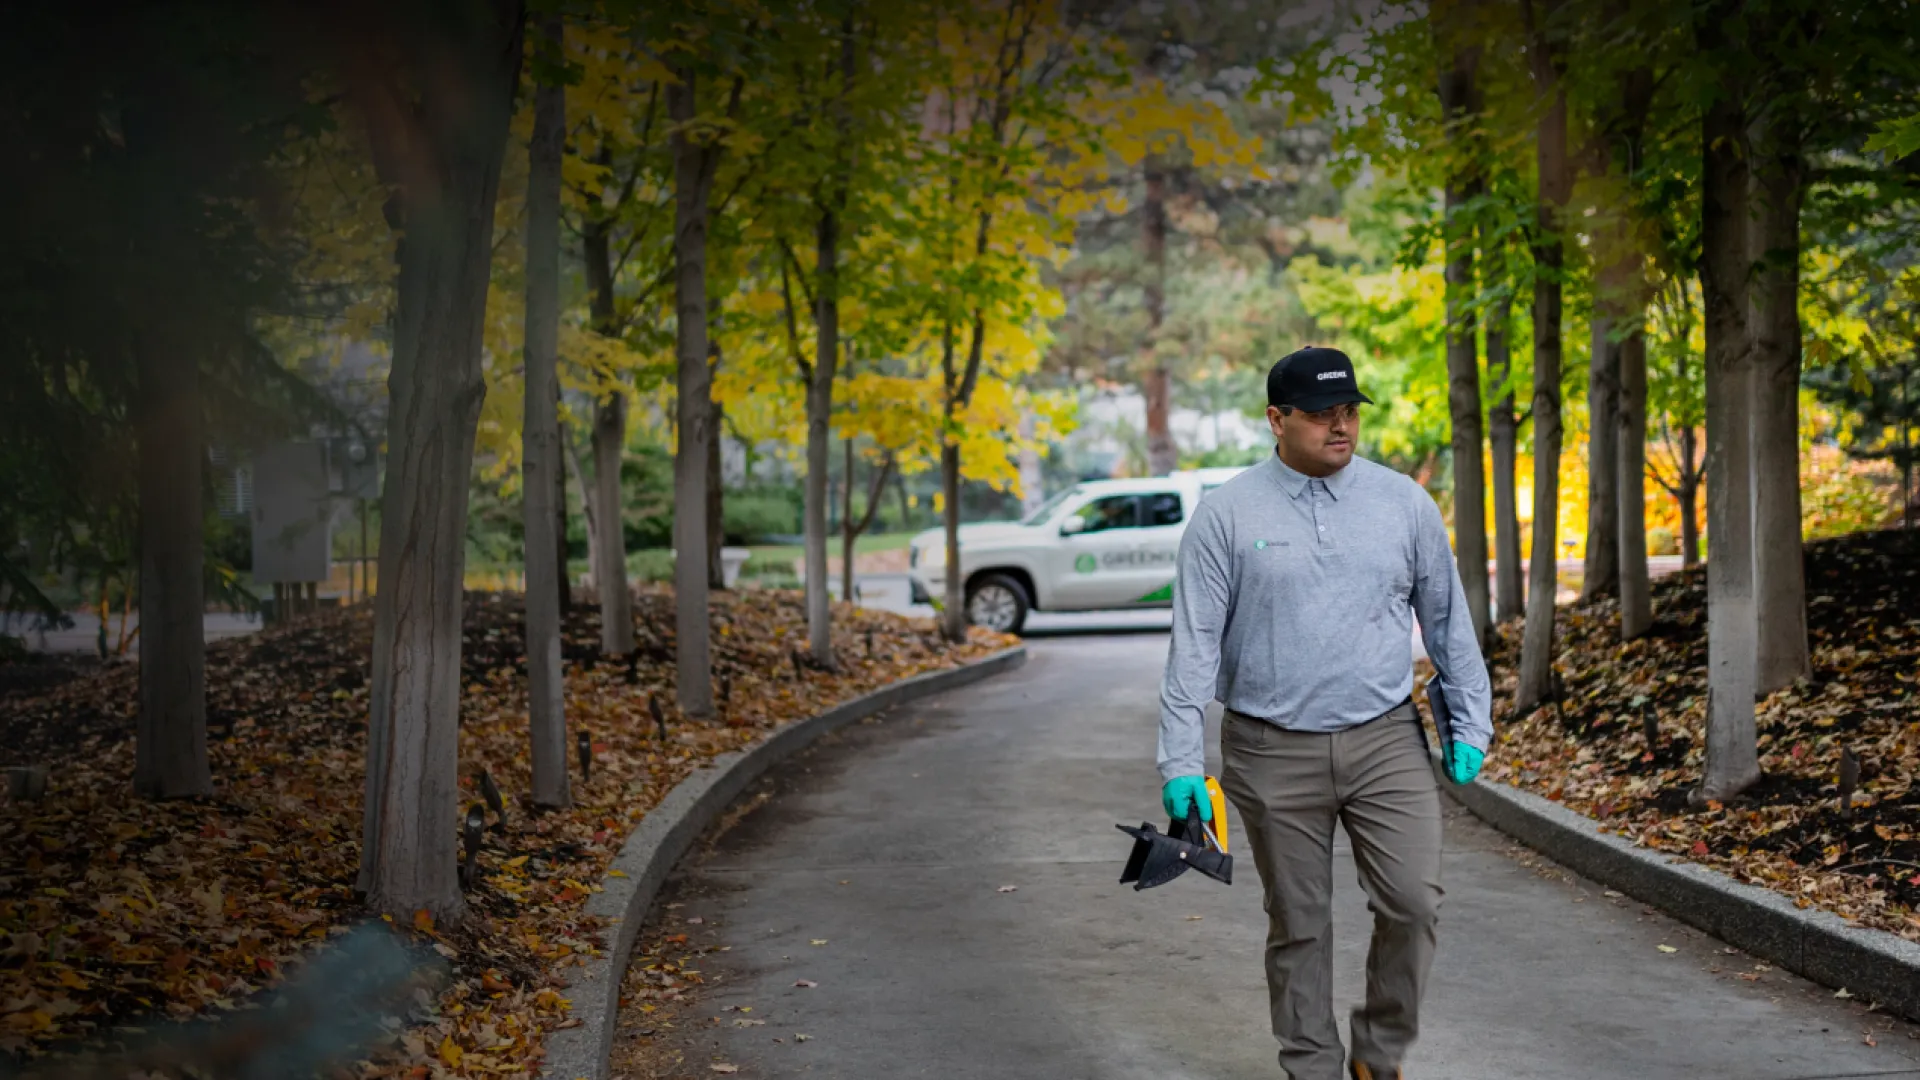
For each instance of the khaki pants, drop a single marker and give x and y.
(1289, 787)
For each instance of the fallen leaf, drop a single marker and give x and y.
(1008, 888)
(818, 941)
(1666, 948)
(1842, 993)
(723, 1067)
(806, 983)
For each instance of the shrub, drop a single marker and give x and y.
(749, 514)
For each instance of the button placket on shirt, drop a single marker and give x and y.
(1318, 489)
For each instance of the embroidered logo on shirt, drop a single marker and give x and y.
(1262, 545)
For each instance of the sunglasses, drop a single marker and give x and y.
(1325, 417)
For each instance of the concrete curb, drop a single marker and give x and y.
(665, 834)
(1871, 964)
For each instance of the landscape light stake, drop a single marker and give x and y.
(491, 792)
(726, 690)
(476, 824)
(584, 744)
(1650, 724)
(659, 716)
(869, 642)
(1849, 781)
(799, 668)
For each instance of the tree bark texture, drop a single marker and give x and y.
(1457, 101)
(1556, 184)
(170, 745)
(1780, 588)
(437, 107)
(1627, 288)
(1732, 635)
(610, 547)
(692, 179)
(826, 357)
(1503, 436)
(826, 361)
(562, 580)
(716, 507)
(1163, 456)
(1601, 570)
(540, 458)
(606, 528)
(1636, 596)
(954, 618)
(1692, 476)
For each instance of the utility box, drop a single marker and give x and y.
(293, 507)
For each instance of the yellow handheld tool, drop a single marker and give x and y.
(1217, 832)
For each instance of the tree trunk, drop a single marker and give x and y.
(1509, 595)
(606, 529)
(1463, 361)
(1732, 635)
(848, 534)
(440, 152)
(610, 554)
(1601, 571)
(1163, 456)
(960, 392)
(716, 508)
(1556, 183)
(1636, 597)
(694, 388)
(1780, 588)
(540, 459)
(587, 499)
(1689, 499)
(562, 580)
(170, 745)
(953, 620)
(820, 437)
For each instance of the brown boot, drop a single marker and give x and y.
(1363, 1071)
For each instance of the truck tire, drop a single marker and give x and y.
(997, 602)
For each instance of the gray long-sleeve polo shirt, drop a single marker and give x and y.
(1293, 603)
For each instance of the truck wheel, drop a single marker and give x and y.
(997, 602)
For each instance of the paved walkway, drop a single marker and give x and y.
(892, 842)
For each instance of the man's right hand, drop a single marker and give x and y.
(1183, 791)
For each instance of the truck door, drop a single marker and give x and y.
(1162, 521)
(1090, 568)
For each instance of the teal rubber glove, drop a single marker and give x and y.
(1184, 791)
(1466, 763)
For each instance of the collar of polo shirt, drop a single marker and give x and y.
(1295, 483)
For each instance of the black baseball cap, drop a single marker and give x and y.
(1312, 379)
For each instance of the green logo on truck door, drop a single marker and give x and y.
(1086, 564)
(1160, 595)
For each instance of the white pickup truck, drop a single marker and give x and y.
(1100, 545)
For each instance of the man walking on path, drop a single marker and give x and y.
(1296, 583)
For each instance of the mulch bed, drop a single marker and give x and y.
(1789, 832)
(115, 911)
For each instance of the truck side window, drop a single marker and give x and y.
(1112, 512)
(1160, 508)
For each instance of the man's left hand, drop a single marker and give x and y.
(1466, 763)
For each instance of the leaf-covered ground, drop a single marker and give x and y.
(115, 911)
(1788, 832)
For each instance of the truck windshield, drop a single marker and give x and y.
(1047, 508)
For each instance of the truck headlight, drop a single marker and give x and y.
(932, 555)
